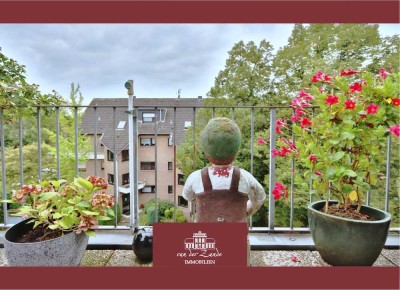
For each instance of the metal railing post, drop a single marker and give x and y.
(271, 205)
(3, 166)
(387, 180)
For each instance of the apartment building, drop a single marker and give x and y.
(106, 126)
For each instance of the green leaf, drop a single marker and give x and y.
(83, 183)
(53, 227)
(57, 215)
(103, 218)
(84, 204)
(347, 135)
(349, 172)
(90, 233)
(337, 156)
(47, 195)
(110, 212)
(347, 188)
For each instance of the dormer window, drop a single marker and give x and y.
(148, 117)
(121, 125)
(188, 124)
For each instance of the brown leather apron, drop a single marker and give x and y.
(227, 205)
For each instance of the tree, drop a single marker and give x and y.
(247, 75)
(328, 47)
(17, 97)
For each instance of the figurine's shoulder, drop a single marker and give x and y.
(194, 175)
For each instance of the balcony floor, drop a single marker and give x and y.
(121, 258)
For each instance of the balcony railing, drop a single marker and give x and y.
(269, 118)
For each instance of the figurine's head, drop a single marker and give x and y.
(220, 140)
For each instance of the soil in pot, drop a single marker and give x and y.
(347, 212)
(39, 234)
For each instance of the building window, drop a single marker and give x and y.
(170, 167)
(182, 202)
(148, 117)
(125, 178)
(188, 124)
(181, 179)
(147, 165)
(170, 140)
(170, 189)
(110, 155)
(125, 155)
(149, 189)
(111, 178)
(147, 141)
(121, 125)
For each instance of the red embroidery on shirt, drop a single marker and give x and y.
(221, 171)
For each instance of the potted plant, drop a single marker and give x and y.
(59, 218)
(340, 147)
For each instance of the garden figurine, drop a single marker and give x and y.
(223, 192)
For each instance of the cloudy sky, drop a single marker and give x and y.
(160, 58)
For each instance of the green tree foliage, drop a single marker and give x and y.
(328, 47)
(246, 78)
(17, 96)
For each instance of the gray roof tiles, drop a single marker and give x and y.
(109, 132)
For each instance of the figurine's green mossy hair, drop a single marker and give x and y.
(221, 140)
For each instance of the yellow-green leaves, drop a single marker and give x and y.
(83, 183)
(353, 195)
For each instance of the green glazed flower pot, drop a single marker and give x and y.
(347, 242)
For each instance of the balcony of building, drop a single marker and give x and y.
(117, 129)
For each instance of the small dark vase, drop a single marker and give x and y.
(143, 244)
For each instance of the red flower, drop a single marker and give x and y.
(372, 109)
(279, 123)
(261, 141)
(383, 73)
(348, 72)
(395, 130)
(331, 99)
(294, 259)
(396, 102)
(356, 87)
(327, 79)
(305, 122)
(279, 190)
(303, 94)
(350, 105)
(320, 77)
(317, 173)
(285, 151)
(275, 152)
(313, 158)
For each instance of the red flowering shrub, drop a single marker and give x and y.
(342, 144)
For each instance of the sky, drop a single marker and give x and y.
(160, 58)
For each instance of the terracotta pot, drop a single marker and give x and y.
(348, 242)
(67, 250)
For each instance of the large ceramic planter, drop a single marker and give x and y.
(347, 242)
(67, 250)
